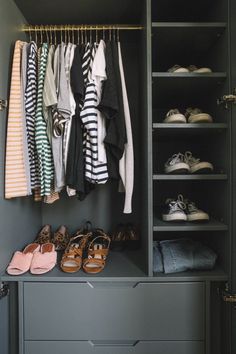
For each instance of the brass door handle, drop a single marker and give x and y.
(3, 104)
(224, 100)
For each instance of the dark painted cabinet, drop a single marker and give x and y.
(128, 308)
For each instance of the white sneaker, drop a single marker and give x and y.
(174, 116)
(174, 210)
(177, 164)
(193, 213)
(196, 165)
(178, 69)
(195, 115)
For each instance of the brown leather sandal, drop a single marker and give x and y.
(98, 250)
(72, 258)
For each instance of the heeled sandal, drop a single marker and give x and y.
(98, 250)
(71, 261)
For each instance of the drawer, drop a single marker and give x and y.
(146, 311)
(87, 347)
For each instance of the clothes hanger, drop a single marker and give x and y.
(55, 36)
(30, 35)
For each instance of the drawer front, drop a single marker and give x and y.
(115, 348)
(148, 311)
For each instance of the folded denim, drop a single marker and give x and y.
(157, 258)
(182, 255)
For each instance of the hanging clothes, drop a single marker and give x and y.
(75, 176)
(23, 86)
(95, 171)
(111, 106)
(126, 164)
(30, 110)
(42, 143)
(16, 183)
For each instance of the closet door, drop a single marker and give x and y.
(231, 308)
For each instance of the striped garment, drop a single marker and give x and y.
(43, 147)
(95, 171)
(15, 165)
(30, 108)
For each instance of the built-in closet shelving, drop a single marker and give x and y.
(191, 37)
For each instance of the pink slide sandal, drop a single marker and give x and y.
(45, 260)
(21, 261)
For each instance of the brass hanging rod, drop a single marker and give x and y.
(37, 28)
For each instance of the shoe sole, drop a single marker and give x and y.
(202, 71)
(178, 168)
(180, 70)
(198, 217)
(203, 167)
(201, 117)
(175, 118)
(174, 217)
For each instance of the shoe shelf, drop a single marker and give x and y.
(196, 76)
(194, 39)
(206, 177)
(217, 274)
(171, 90)
(194, 128)
(118, 266)
(211, 225)
(219, 27)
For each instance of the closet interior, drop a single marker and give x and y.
(128, 289)
(169, 36)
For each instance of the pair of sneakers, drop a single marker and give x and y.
(181, 209)
(191, 115)
(189, 69)
(187, 163)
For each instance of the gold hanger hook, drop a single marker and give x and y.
(30, 34)
(118, 35)
(50, 32)
(47, 35)
(41, 34)
(103, 33)
(68, 32)
(114, 33)
(78, 36)
(61, 35)
(90, 35)
(55, 35)
(35, 34)
(110, 34)
(72, 34)
(96, 34)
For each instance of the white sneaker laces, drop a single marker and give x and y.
(190, 159)
(172, 111)
(175, 158)
(176, 205)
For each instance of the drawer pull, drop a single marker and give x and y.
(125, 343)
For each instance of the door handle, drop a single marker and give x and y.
(113, 343)
(3, 104)
(224, 100)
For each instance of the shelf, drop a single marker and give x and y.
(218, 26)
(216, 274)
(196, 76)
(206, 177)
(173, 90)
(188, 128)
(212, 225)
(119, 265)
